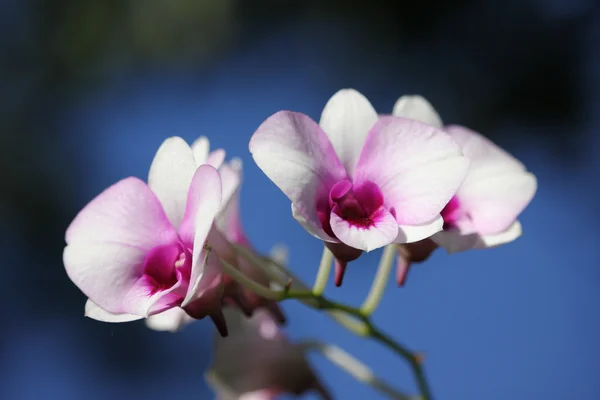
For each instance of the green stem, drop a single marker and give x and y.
(381, 277)
(323, 273)
(353, 367)
(354, 320)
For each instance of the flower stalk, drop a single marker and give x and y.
(355, 319)
(353, 367)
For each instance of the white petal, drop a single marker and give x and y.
(494, 203)
(94, 311)
(487, 159)
(414, 233)
(170, 176)
(346, 119)
(512, 233)
(417, 108)
(171, 320)
(200, 149)
(216, 158)
(453, 241)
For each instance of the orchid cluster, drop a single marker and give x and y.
(173, 250)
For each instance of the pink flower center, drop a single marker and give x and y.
(167, 265)
(354, 203)
(452, 213)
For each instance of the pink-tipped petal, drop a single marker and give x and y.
(231, 179)
(128, 213)
(417, 167)
(203, 203)
(295, 153)
(346, 119)
(206, 283)
(414, 233)
(314, 228)
(381, 230)
(229, 222)
(200, 149)
(418, 108)
(487, 159)
(170, 176)
(143, 298)
(105, 272)
(495, 203)
(94, 311)
(216, 158)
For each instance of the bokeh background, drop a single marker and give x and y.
(89, 90)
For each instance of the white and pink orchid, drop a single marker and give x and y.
(257, 362)
(483, 212)
(358, 181)
(138, 249)
(227, 229)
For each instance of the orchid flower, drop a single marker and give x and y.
(138, 249)
(227, 229)
(356, 181)
(258, 362)
(483, 213)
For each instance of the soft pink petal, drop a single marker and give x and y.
(487, 159)
(314, 228)
(495, 203)
(453, 241)
(170, 176)
(346, 119)
(200, 149)
(231, 179)
(143, 299)
(294, 152)
(171, 320)
(128, 212)
(205, 294)
(417, 167)
(229, 222)
(383, 231)
(204, 203)
(216, 158)
(94, 311)
(418, 108)
(414, 233)
(105, 272)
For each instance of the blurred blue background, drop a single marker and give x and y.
(91, 88)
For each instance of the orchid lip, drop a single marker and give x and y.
(356, 203)
(452, 213)
(167, 265)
